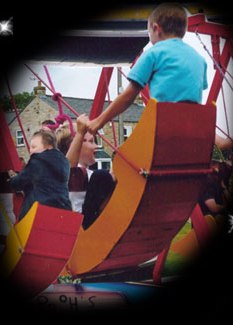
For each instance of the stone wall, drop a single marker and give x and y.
(31, 118)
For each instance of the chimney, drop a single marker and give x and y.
(39, 89)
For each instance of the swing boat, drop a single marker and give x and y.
(37, 247)
(152, 202)
(164, 187)
(158, 184)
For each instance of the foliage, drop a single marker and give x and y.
(220, 155)
(175, 263)
(67, 279)
(21, 101)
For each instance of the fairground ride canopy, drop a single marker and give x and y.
(116, 37)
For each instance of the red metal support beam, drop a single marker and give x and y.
(101, 92)
(215, 41)
(9, 156)
(198, 23)
(218, 77)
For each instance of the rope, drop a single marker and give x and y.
(109, 101)
(225, 111)
(224, 133)
(222, 70)
(49, 88)
(61, 118)
(215, 61)
(142, 94)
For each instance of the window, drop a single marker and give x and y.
(103, 160)
(127, 131)
(19, 138)
(98, 139)
(102, 164)
(105, 164)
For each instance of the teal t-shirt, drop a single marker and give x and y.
(174, 70)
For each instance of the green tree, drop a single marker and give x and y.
(21, 101)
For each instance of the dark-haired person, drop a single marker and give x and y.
(216, 196)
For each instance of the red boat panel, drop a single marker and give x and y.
(48, 248)
(185, 135)
(184, 142)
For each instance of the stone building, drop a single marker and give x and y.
(43, 107)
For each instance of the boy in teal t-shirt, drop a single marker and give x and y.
(173, 70)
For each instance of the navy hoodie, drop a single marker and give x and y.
(44, 179)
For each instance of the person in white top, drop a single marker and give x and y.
(89, 190)
(80, 151)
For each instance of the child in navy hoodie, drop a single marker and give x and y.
(45, 177)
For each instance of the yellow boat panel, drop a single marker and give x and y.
(17, 240)
(188, 246)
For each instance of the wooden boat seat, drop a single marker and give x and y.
(38, 247)
(172, 144)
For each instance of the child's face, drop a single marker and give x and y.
(36, 145)
(87, 154)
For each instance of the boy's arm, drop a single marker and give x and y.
(119, 105)
(213, 206)
(223, 143)
(73, 153)
(19, 181)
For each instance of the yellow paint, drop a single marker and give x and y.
(142, 12)
(127, 13)
(188, 246)
(16, 241)
(93, 245)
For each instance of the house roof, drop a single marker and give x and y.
(82, 105)
(10, 117)
(101, 154)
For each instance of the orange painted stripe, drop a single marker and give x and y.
(93, 245)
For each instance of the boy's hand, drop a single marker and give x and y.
(11, 173)
(93, 126)
(81, 122)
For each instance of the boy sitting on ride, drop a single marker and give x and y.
(174, 70)
(45, 177)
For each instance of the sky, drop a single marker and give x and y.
(81, 79)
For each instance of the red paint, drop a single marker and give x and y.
(185, 147)
(9, 157)
(48, 248)
(101, 92)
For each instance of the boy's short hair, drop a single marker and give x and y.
(48, 137)
(171, 17)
